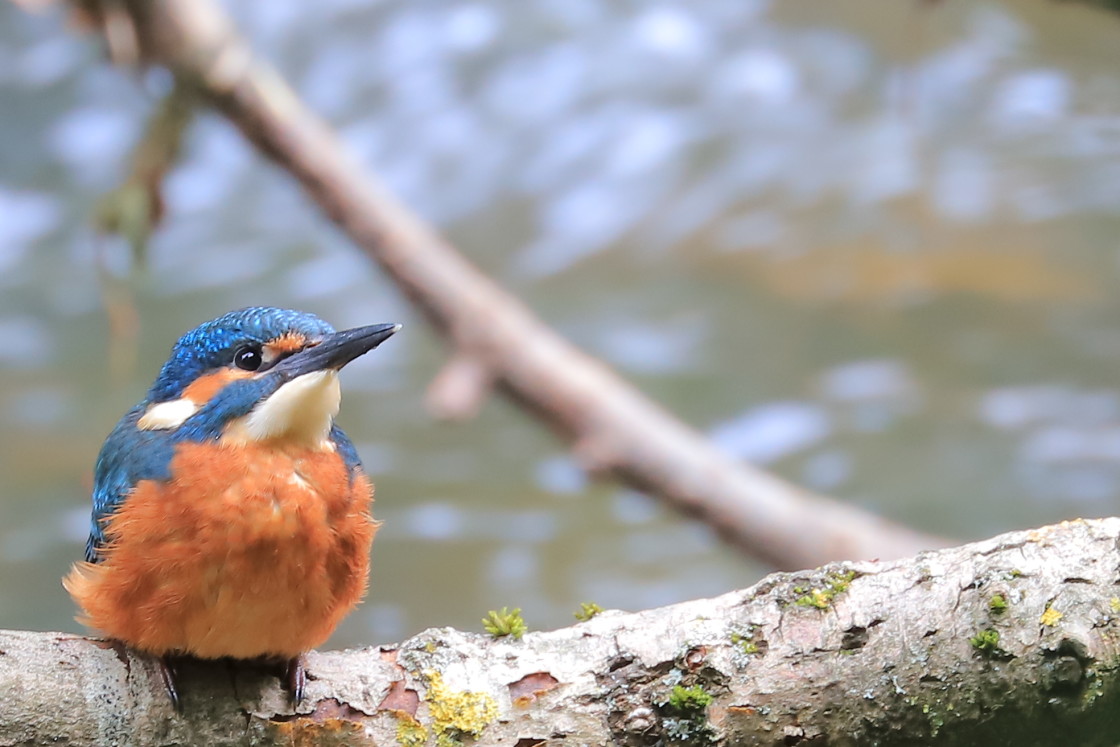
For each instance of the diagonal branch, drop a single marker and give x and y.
(496, 339)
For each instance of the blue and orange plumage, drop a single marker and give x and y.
(231, 516)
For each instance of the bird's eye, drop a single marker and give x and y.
(248, 358)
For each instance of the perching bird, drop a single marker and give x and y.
(231, 517)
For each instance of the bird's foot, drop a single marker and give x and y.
(295, 678)
(169, 674)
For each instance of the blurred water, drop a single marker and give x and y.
(871, 247)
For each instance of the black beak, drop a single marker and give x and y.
(336, 350)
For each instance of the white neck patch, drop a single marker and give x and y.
(301, 411)
(164, 416)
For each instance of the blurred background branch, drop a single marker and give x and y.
(135, 208)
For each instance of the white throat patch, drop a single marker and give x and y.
(301, 411)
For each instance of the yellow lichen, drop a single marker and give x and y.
(1050, 617)
(457, 714)
(1114, 604)
(410, 732)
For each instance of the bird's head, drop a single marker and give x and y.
(257, 374)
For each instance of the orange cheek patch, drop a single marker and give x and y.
(201, 390)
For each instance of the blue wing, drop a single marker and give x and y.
(128, 456)
(346, 450)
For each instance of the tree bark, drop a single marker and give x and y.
(496, 340)
(1008, 641)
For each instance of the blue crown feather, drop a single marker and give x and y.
(211, 345)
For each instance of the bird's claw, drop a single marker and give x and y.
(168, 674)
(295, 680)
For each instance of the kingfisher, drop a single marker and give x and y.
(231, 516)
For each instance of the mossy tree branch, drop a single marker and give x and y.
(1009, 641)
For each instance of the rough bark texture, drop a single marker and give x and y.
(1008, 641)
(496, 340)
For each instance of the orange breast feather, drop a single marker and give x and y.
(245, 552)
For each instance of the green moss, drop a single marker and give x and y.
(689, 699)
(997, 605)
(586, 611)
(1095, 685)
(745, 643)
(685, 716)
(821, 598)
(936, 720)
(986, 642)
(818, 598)
(841, 581)
(457, 714)
(935, 711)
(505, 622)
